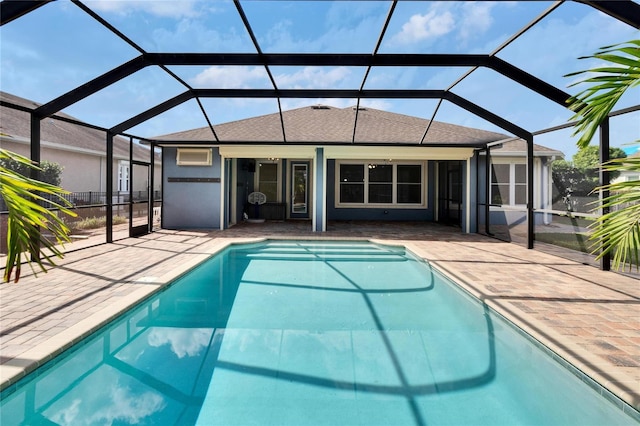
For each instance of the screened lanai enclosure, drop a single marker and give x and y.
(200, 114)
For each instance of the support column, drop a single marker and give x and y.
(223, 192)
(319, 217)
(35, 157)
(35, 145)
(604, 179)
(469, 199)
(109, 188)
(530, 217)
(152, 172)
(487, 195)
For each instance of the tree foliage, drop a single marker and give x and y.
(50, 172)
(580, 176)
(30, 211)
(606, 86)
(618, 231)
(587, 160)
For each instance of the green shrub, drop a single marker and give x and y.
(97, 222)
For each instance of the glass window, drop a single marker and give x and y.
(409, 184)
(352, 183)
(351, 193)
(380, 183)
(509, 184)
(268, 181)
(351, 173)
(372, 183)
(520, 184)
(123, 176)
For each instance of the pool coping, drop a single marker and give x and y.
(15, 369)
(609, 395)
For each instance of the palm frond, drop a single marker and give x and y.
(593, 105)
(30, 212)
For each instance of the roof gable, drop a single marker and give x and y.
(16, 124)
(326, 124)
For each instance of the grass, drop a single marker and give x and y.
(574, 221)
(577, 242)
(97, 222)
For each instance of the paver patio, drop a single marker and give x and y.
(588, 317)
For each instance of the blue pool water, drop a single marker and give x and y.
(308, 333)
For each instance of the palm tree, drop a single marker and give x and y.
(616, 232)
(26, 201)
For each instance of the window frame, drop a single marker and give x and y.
(512, 184)
(278, 180)
(124, 168)
(394, 182)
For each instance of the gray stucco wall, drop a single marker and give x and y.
(190, 204)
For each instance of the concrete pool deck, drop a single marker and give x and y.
(588, 317)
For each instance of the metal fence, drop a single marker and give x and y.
(99, 198)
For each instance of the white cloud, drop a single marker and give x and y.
(241, 77)
(163, 8)
(423, 27)
(183, 342)
(476, 19)
(116, 404)
(313, 77)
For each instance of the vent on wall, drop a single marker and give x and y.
(194, 157)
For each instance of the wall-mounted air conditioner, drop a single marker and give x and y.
(194, 157)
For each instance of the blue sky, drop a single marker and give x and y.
(59, 47)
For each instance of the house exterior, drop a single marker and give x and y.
(508, 184)
(81, 151)
(627, 175)
(316, 172)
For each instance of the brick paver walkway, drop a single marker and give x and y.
(588, 317)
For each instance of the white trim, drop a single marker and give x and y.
(397, 153)
(268, 151)
(324, 191)
(234, 193)
(205, 154)
(394, 183)
(222, 192)
(536, 154)
(314, 192)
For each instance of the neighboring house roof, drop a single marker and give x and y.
(518, 147)
(15, 126)
(326, 124)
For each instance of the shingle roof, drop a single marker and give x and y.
(326, 125)
(519, 147)
(17, 124)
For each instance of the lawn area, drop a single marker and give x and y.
(578, 242)
(573, 221)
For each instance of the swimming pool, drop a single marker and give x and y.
(308, 333)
